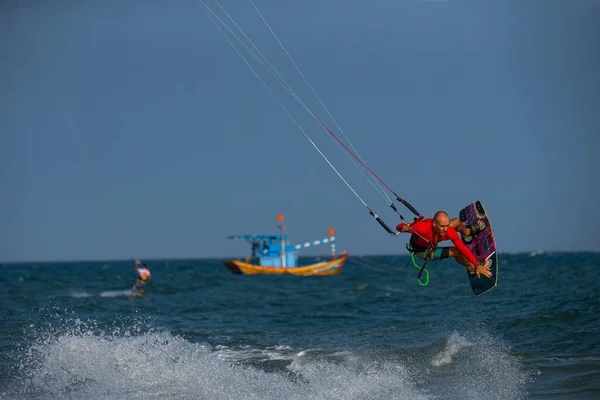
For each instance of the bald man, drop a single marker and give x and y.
(427, 233)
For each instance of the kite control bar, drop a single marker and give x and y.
(383, 224)
(410, 207)
(407, 205)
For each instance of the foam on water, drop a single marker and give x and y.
(80, 294)
(80, 362)
(115, 293)
(475, 364)
(84, 364)
(452, 347)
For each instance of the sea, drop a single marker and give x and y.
(69, 330)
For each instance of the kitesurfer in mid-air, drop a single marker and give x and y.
(427, 233)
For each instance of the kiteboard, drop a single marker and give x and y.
(483, 246)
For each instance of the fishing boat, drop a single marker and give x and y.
(272, 254)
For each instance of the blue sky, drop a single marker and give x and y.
(133, 129)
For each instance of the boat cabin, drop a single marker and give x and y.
(267, 250)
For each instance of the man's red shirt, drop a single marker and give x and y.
(424, 234)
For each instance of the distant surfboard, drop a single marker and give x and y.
(482, 246)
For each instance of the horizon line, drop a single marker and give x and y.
(535, 252)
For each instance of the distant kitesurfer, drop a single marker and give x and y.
(427, 233)
(143, 276)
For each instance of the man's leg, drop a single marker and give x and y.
(453, 252)
(134, 291)
(479, 226)
(441, 253)
(458, 225)
(481, 269)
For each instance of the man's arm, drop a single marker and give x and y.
(403, 227)
(464, 250)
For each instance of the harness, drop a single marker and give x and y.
(414, 248)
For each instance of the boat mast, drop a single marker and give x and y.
(280, 218)
(331, 233)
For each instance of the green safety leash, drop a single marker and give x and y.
(422, 269)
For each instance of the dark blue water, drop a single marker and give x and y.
(69, 331)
